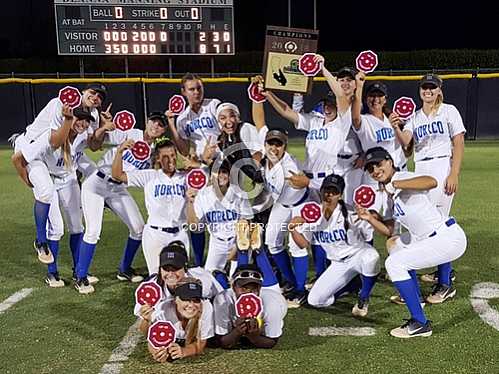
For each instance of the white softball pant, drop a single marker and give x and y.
(446, 245)
(340, 273)
(68, 199)
(438, 168)
(277, 227)
(352, 177)
(39, 176)
(94, 192)
(218, 252)
(153, 242)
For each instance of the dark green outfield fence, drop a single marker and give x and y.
(475, 95)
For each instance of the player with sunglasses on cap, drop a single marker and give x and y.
(344, 239)
(192, 317)
(437, 130)
(101, 188)
(48, 123)
(172, 268)
(231, 330)
(431, 237)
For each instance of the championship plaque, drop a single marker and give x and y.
(283, 49)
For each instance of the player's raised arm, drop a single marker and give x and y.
(95, 140)
(282, 107)
(192, 218)
(357, 100)
(404, 137)
(181, 144)
(117, 172)
(59, 136)
(330, 78)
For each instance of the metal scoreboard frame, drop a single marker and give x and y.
(144, 27)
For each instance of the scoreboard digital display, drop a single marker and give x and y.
(144, 27)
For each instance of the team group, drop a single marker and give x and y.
(260, 243)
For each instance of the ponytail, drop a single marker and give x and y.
(344, 213)
(66, 152)
(438, 101)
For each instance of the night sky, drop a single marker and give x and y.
(27, 26)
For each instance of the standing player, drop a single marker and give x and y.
(432, 238)
(231, 330)
(438, 133)
(48, 123)
(61, 163)
(196, 125)
(164, 195)
(220, 207)
(280, 166)
(374, 129)
(100, 189)
(344, 239)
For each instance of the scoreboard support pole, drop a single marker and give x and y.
(82, 67)
(126, 66)
(170, 68)
(212, 63)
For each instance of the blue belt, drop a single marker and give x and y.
(432, 158)
(317, 175)
(302, 200)
(345, 157)
(170, 230)
(101, 175)
(448, 223)
(225, 240)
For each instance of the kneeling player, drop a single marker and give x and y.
(344, 240)
(231, 330)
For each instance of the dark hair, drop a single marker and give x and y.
(344, 213)
(160, 143)
(189, 77)
(175, 246)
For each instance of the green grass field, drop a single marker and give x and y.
(60, 331)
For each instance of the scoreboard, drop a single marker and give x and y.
(144, 27)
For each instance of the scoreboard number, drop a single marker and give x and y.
(144, 27)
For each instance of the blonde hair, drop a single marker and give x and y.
(192, 331)
(66, 154)
(438, 101)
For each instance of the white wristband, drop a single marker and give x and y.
(390, 189)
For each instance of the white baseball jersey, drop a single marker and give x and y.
(413, 209)
(211, 287)
(164, 196)
(281, 191)
(330, 234)
(199, 127)
(274, 310)
(54, 158)
(50, 117)
(324, 140)
(432, 135)
(222, 215)
(376, 133)
(130, 163)
(167, 311)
